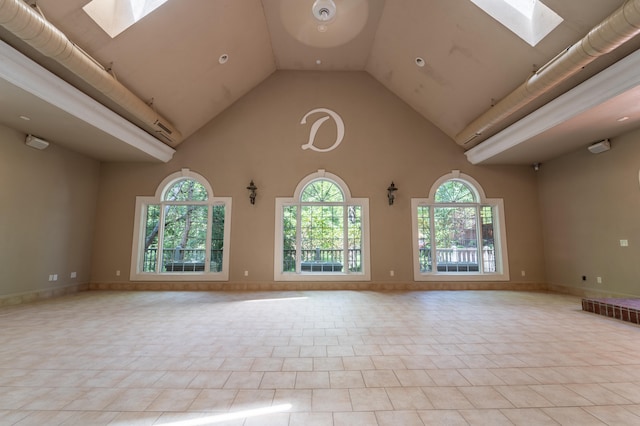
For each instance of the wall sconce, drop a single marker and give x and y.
(252, 195)
(390, 193)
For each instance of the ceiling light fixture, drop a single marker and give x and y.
(323, 23)
(223, 58)
(621, 119)
(420, 62)
(324, 10)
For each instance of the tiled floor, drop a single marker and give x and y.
(316, 358)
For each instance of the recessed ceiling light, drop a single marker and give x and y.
(420, 62)
(25, 118)
(625, 118)
(223, 58)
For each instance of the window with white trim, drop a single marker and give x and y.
(322, 233)
(458, 233)
(182, 233)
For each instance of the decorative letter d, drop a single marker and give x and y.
(316, 126)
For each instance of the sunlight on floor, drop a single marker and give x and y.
(231, 416)
(276, 299)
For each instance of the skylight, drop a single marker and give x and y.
(115, 16)
(523, 6)
(530, 20)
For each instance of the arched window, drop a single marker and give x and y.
(181, 233)
(322, 233)
(458, 234)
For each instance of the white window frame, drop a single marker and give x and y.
(137, 256)
(500, 237)
(346, 275)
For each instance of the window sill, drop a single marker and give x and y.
(324, 276)
(459, 276)
(180, 276)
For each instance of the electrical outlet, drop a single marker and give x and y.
(118, 273)
(392, 273)
(74, 275)
(523, 273)
(599, 280)
(246, 273)
(624, 243)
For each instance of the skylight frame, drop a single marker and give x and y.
(526, 7)
(531, 20)
(115, 16)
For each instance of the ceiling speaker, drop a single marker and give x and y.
(36, 142)
(598, 147)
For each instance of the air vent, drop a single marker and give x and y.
(161, 135)
(163, 127)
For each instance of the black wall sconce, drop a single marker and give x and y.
(252, 195)
(390, 192)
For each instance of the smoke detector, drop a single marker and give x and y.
(324, 10)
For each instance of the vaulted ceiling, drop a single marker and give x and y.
(172, 58)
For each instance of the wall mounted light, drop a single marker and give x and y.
(598, 147)
(35, 142)
(252, 194)
(391, 192)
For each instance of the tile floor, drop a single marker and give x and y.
(316, 358)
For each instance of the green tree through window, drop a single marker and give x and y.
(321, 231)
(184, 230)
(455, 231)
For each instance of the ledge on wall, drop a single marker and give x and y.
(33, 296)
(311, 286)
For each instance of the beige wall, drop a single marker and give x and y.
(589, 203)
(47, 211)
(260, 138)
